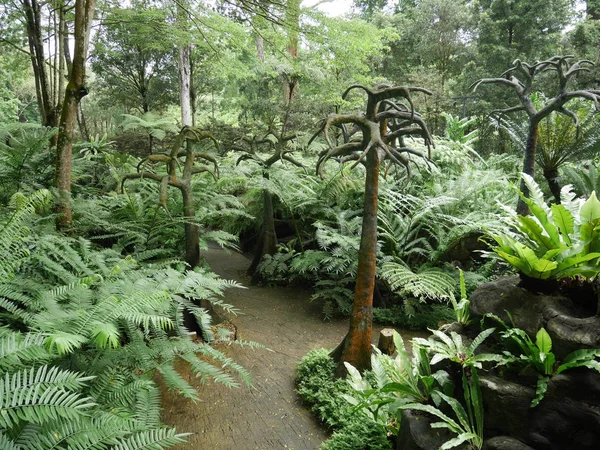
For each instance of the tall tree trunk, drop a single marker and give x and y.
(260, 48)
(528, 163)
(38, 61)
(83, 129)
(75, 91)
(267, 241)
(356, 347)
(185, 85)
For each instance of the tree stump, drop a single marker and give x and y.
(386, 341)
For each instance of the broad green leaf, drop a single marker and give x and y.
(590, 210)
(455, 442)
(543, 341)
(534, 231)
(564, 221)
(573, 261)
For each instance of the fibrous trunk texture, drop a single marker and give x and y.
(356, 348)
(267, 241)
(528, 164)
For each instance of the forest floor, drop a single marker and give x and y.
(268, 415)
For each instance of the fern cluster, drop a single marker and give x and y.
(85, 331)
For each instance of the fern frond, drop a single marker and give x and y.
(152, 440)
(428, 283)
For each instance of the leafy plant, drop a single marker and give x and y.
(399, 380)
(462, 307)
(452, 347)
(85, 332)
(557, 242)
(468, 425)
(538, 355)
(318, 387)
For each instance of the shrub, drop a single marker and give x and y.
(317, 386)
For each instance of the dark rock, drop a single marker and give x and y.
(567, 418)
(571, 325)
(505, 443)
(466, 248)
(571, 333)
(506, 407)
(416, 433)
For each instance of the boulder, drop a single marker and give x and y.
(571, 324)
(506, 407)
(567, 418)
(416, 433)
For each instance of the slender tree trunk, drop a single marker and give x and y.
(38, 61)
(75, 91)
(356, 347)
(184, 85)
(192, 236)
(260, 48)
(292, 19)
(267, 241)
(62, 41)
(83, 129)
(528, 163)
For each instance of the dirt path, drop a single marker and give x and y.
(268, 415)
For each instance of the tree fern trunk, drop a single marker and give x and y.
(551, 177)
(192, 235)
(356, 348)
(528, 164)
(267, 242)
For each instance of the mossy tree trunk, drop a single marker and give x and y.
(74, 92)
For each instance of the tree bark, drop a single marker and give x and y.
(356, 348)
(528, 164)
(192, 236)
(184, 85)
(48, 115)
(292, 19)
(267, 242)
(74, 92)
(386, 341)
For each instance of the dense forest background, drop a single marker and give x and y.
(133, 134)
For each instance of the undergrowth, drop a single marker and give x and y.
(318, 388)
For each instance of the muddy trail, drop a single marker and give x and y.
(268, 415)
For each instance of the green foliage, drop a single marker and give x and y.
(427, 283)
(317, 386)
(25, 159)
(421, 317)
(403, 383)
(154, 125)
(538, 355)
(585, 178)
(453, 348)
(557, 242)
(462, 307)
(113, 323)
(468, 425)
